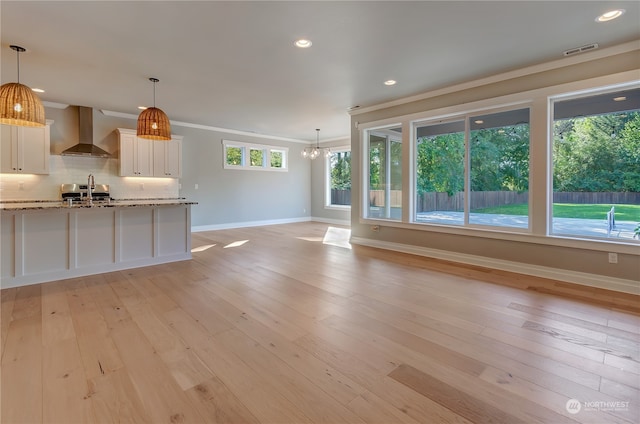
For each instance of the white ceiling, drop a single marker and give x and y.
(233, 64)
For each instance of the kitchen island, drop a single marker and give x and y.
(44, 241)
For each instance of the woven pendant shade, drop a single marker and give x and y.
(18, 104)
(153, 124)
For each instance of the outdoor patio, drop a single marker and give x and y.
(561, 226)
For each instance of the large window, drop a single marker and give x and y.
(238, 155)
(338, 173)
(384, 194)
(596, 164)
(499, 169)
(440, 173)
(565, 165)
(493, 189)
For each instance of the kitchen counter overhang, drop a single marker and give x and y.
(48, 240)
(61, 204)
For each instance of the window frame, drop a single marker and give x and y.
(246, 149)
(366, 171)
(464, 117)
(327, 180)
(540, 172)
(567, 96)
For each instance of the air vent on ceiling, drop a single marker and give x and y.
(582, 49)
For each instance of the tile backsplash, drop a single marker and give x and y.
(74, 169)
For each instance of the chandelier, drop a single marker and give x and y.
(19, 105)
(316, 151)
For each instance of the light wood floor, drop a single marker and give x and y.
(281, 328)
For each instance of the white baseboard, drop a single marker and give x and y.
(583, 278)
(345, 222)
(232, 225)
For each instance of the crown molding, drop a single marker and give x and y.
(207, 127)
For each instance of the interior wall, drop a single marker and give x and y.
(226, 198)
(535, 252)
(231, 197)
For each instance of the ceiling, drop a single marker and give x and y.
(234, 65)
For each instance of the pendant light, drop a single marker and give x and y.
(153, 123)
(19, 105)
(314, 152)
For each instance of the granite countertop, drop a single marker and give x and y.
(15, 205)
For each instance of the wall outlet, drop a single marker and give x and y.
(196, 186)
(613, 258)
(141, 186)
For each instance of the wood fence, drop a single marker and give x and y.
(596, 198)
(427, 202)
(340, 196)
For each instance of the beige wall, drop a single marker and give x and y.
(534, 249)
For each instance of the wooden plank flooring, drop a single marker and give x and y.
(271, 325)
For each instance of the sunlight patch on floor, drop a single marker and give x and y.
(337, 237)
(202, 248)
(310, 238)
(236, 243)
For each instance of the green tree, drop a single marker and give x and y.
(597, 153)
(276, 159)
(341, 170)
(234, 156)
(440, 163)
(255, 157)
(500, 159)
(377, 157)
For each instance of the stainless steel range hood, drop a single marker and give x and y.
(85, 146)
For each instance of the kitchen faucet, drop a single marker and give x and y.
(91, 184)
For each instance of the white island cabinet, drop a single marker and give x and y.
(46, 243)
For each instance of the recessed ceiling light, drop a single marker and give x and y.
(619, 99)
(390, 82)
(303, 43)
(142, 107)
(479, 121)
(38, 90)
(610, 15)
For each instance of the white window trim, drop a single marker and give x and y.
(266, 156)
(538, 233)
(466, 118)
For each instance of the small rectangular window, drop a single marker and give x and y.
(277, 159)
(256, 157)
(233, 156)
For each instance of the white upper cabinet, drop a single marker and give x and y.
(136, 155)
(167, 158)
(25, 150)
(140, 157)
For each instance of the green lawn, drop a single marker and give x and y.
(564, 210)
